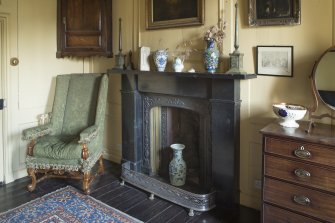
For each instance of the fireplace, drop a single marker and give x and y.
(199, 110)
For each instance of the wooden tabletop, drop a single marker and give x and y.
(321, 133)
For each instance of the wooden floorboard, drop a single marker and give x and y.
(126, 198)
(147, 209)
(130, 202)
(165, 215)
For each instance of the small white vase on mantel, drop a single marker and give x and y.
(178, 64)
(177, 166)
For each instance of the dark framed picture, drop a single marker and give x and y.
(275, 60)
(274, 12)
(174, 13)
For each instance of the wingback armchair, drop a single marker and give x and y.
(72, 142)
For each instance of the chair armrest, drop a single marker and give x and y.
(88, 134)
(35, 132)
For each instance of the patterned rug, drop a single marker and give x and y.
(66, 205)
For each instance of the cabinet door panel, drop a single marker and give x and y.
(84, 28)
(84, 15)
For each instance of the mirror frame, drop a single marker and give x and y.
(316, 96)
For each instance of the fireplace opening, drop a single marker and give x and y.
(170, 125)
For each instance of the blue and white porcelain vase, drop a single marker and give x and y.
(177, 166)
(211, 57)
(160, 59)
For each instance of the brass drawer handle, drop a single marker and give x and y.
(301, 200)
(302, 174)
(302, 153)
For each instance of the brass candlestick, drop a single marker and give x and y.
(236, 58)
(120, 58)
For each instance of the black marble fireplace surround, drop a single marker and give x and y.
(216, 98)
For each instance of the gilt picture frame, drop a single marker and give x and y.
(274, 60)
(274, 12)
(162, 14)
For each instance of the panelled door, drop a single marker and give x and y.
(8, 87)
(2, 39)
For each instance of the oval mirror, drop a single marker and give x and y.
(323, 83)
(325, 79)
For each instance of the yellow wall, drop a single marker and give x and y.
(38, 67)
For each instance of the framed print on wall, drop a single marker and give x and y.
(174, 13)
(275, 60)
(274, 12)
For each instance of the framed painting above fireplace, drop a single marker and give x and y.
(274, 12)
(174, 13)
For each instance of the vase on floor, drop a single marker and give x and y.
(160, 59)
(211, 57)
(177, 166)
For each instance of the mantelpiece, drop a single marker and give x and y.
(188, 75)
(215, 99)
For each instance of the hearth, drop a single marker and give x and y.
(199, 110)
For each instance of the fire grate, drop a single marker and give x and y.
(196, 202)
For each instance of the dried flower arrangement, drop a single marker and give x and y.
(216, 33)
(184, 50)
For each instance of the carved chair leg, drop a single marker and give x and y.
(86, 182)
(31, 173)
(31, 147)
(101, 168)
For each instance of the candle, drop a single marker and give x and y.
(236, 44)
(120, 37)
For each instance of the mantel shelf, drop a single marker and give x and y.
(185, 74)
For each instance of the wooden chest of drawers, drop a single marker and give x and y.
(298, 174)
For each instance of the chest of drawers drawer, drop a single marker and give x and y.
(300, 173)
(274, 214)
(300, 199)
(300, 150)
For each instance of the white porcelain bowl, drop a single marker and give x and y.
(289, 114)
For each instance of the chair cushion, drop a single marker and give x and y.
(58, 147)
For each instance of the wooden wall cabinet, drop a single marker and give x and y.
(298, 174)
(84, 28)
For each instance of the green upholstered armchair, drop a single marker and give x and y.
(71, 144)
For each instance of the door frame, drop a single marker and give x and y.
(3, 88)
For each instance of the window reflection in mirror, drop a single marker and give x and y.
(325, 79)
